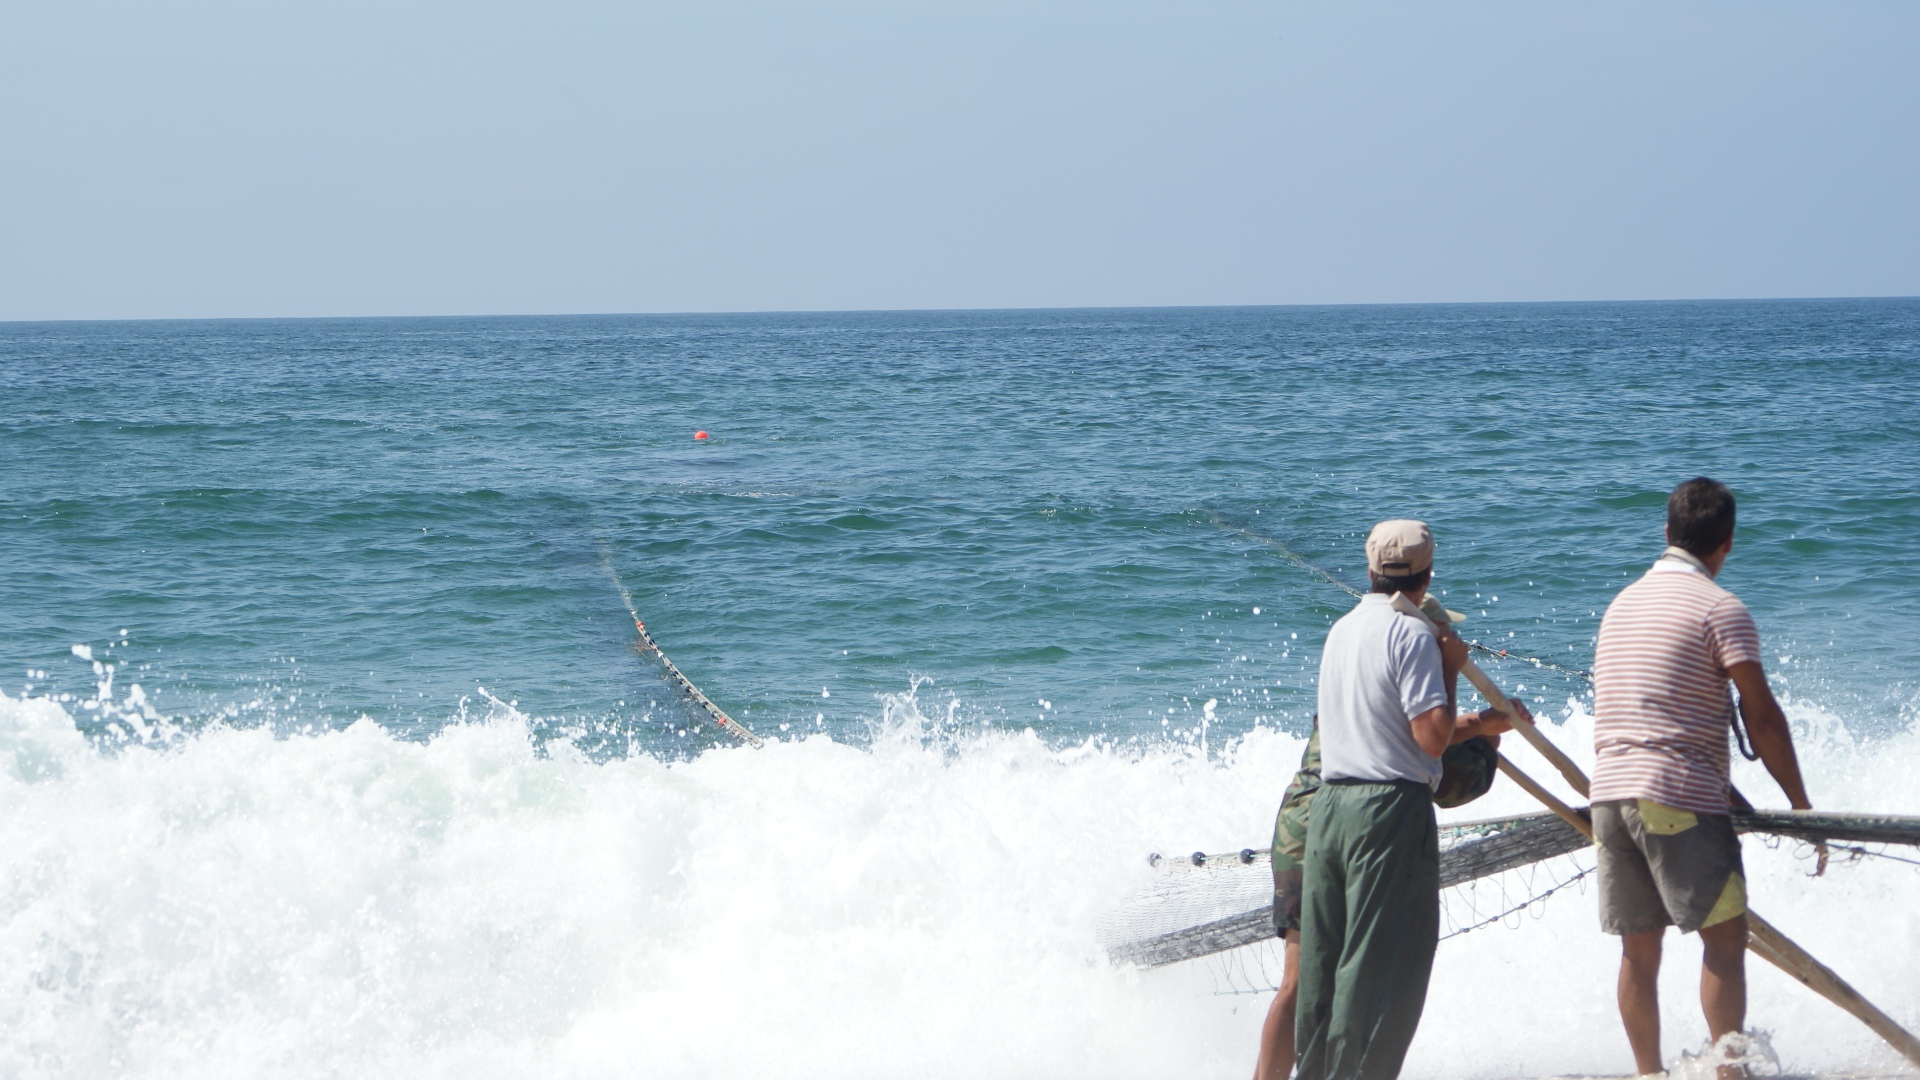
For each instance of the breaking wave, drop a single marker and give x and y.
(233, 902)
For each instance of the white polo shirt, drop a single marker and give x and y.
(1380, 669)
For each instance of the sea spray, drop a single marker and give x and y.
(1751, 1050)
(482, 903)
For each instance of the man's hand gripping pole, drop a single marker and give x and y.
(1521, 722)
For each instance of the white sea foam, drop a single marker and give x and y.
(240, 904)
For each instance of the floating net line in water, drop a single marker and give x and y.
(645, 646)
(1299, 560)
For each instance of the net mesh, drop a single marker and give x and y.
(1503, 899)
(1204, 905)
(1498, 872)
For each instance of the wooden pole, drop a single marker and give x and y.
(1818, 977)
(1547, 798)
(1526, 728)
(1764, 941)
(1499, 701)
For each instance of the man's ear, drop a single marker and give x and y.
(1666, 533)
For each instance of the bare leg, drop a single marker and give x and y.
(1640, 997)
(1723, 982)
(1276, 1035)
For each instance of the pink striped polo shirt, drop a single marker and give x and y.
(1661, 710)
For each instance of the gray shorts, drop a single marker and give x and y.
(1662, 867)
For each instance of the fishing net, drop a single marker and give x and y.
(1218, 908)
(1203, 905)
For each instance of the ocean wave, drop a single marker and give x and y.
(232, 902)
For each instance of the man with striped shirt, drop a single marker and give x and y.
(1668, 856)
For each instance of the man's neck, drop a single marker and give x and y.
(1681, 554)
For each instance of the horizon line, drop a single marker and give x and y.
(714, 312)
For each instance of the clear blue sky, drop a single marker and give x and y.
(353, 158)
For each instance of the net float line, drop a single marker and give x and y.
(1327, 576)
(1470, 851)
(647, 646)
(1481, 849)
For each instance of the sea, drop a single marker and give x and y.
(326, 748)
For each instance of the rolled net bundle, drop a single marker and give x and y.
(1199, 905)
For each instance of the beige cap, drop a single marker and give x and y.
(1399, 547)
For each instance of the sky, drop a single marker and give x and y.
(207, 159)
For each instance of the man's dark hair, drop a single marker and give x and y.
(1700, 516)
(1404, 583)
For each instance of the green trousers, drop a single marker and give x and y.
(1369, 921)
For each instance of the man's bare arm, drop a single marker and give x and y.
(1442, 726)
(1433, 729)
(1489, 722)
(1767, 726)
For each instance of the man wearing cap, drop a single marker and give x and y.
(1371, 912)
(1668, 856)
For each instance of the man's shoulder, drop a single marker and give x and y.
(1358, 621)
(1406, 634)
(1671, 609)
(1724, 599)
(1377, 621)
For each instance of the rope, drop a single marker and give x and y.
(1517, 908)
(647, 645)
(1456, 831)
(1536, 661)
(1858, 853)
(1286, 553)
(1323, 574)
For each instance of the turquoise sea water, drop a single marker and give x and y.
(978, 576)
(1056, 517)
